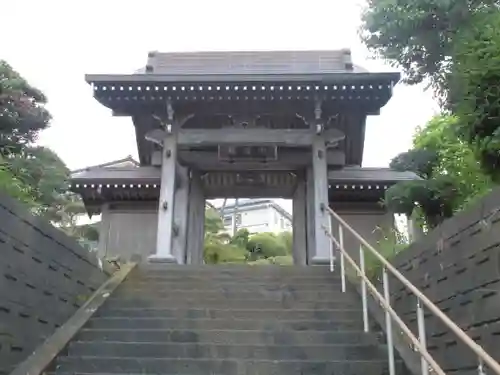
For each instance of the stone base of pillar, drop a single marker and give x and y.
(320, 261)
(158, 258)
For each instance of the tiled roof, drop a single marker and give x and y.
(120, 173)
(370, 174)
(129, 161)
(250, 62)
(148, 172)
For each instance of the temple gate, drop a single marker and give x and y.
(236, 124)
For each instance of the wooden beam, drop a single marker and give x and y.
(254, 137)
(287, 160)
(284, 192)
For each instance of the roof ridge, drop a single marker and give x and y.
(108, 164)
(317, 50)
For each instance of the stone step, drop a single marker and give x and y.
(189, 366)
(145, 302)
(235, 269)
(235, 275)
(211, 351)
(229, 337)
(197, 313)
(225, 324)
(237, 285)
(120, 365)
(262, 293)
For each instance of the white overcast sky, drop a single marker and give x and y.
(53, 43)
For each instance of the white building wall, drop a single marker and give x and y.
(258, 220)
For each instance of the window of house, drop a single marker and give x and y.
(228, 220)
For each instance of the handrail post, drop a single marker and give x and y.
(332, 255)
(428, 363)
(421, 335)
(363, 288)
(480, 368)
(342, 261)
(388, 323)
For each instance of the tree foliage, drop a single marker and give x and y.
(419, 35)
(435, 197)
(455, 159)
(266, 245)
(418, 161)
(43, 170)
(33, 174)
(22, 111)
(475, 89)
(455, 45)
(13, 186)
(452, 176)
(241, 238)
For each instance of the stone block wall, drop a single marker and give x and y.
(45, 276)
(457, 266)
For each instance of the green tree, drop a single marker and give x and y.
(22, 117)
(435, 197)
(418, 161)
(286, 239)
(65, 212)
(241, 238)
(89, 232)
(45, 172)
(265, 245)
(474, 89)
(216, 253)
(401, 198)
(455, 159)
(22, 111)
(452, 177)
(213, 222)
(419, 35)
(218, 247)
(14, 187)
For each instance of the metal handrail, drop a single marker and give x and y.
(420, 344)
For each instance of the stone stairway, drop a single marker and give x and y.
(226, 320)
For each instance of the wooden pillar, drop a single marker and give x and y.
(104, 226)
(310, 216)
(299, 223)
(181, 214)
(164, 239)
(196, 220)
(320, 252)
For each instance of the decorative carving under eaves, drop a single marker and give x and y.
(167, 123)
(339, 121)
(244, 121)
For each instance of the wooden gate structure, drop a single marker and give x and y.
(237, 124)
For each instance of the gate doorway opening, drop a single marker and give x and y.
(251, 231)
